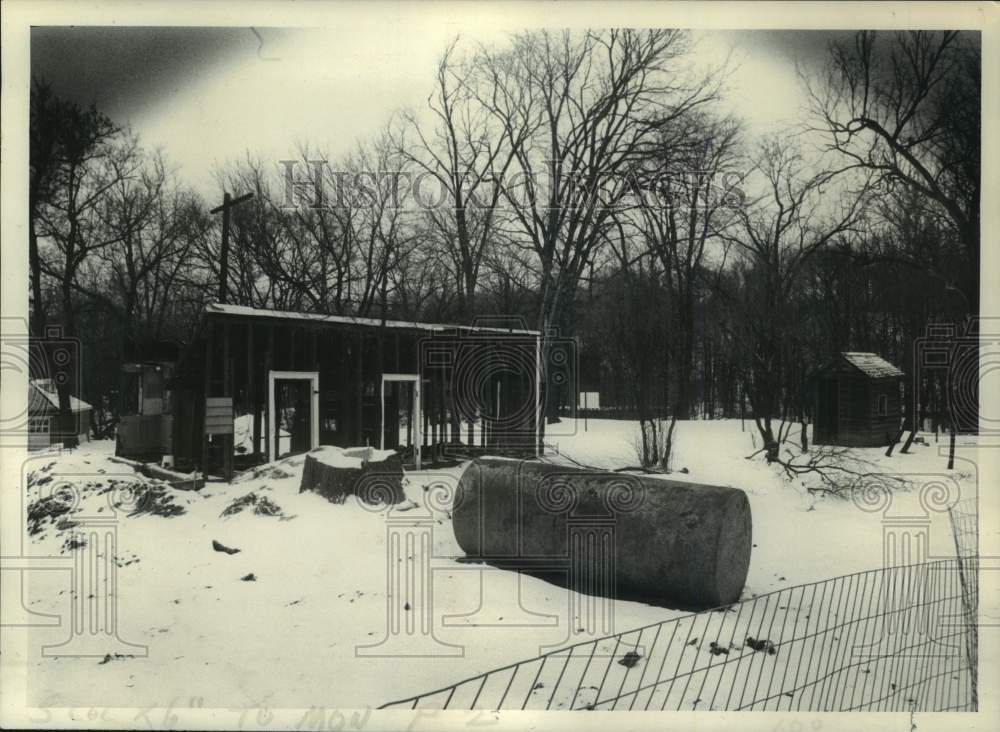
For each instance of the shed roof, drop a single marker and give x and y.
(42, 396)
(871, 365)
(246, 311)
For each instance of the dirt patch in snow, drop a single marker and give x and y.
(48, 510)
(268, 472)
(260, 505)
(68, 499)
(73, 543)
(155, 500)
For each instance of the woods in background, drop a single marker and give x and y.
(592, 183)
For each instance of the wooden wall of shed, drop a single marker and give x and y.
(852, 428)
(350, 362)
(883, 429)
(859, 424)
(235, 355)
(187, 426)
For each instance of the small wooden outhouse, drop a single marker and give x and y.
(858, 401)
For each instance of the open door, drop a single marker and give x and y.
(401, 421)
(292, 412)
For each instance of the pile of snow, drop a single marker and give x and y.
(349, 457)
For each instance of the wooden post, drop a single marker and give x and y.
(228, 202)
(268, 368)
(209, 343)
(225, 360)
(224, 257)
(438, 407)
(446, 424)
(409, 416)
(502, 409)
(428, 407)
(433, 408)
(455, 434)
(380, 420)
(227, 390)
(472, 425)
(485, 410)
(360, 386)
(402, 389)
(253, 398)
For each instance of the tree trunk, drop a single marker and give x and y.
(68, 385)
(669, 444)
(909, 396)
(34, 261)
(686, 361)
(644, 431)
(470, 293)
(767, 434)
(895, 440)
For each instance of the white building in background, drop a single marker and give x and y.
(43, 415)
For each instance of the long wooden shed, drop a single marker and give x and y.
(264, 384)
(858, 401)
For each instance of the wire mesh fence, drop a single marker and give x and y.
(891, 639)
(964, 517)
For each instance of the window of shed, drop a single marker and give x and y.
(883, 405)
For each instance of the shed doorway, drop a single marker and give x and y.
(292, 413)
(401, 419)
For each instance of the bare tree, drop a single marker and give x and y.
(577, 111)
(467, 155)
(794, 217)
(422, 286)
(48, 117)
(633, 344)
(906, 107)
(89, 157)
(271, 263)
(687, 198)
(385, 231)
(333, 252)
(154, 225)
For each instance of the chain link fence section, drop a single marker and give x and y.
(964, 517)
(891, 639)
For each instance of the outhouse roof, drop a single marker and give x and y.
(871, 364)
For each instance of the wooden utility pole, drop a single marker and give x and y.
(228, 202)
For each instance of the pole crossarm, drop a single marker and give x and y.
(228, 203)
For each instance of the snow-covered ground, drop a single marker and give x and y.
(290, 636)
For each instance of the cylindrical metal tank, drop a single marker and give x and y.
(665, 542)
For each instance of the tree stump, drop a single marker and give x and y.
(374, 482)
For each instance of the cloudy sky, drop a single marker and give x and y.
(207, 95)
